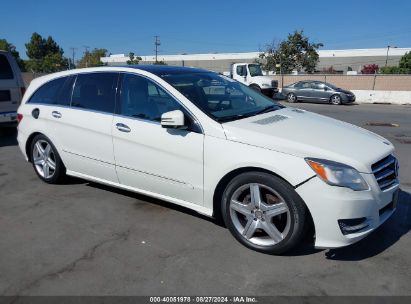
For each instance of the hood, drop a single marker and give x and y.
(305, 134)
(344, 91)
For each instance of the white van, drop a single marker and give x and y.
(11, 88)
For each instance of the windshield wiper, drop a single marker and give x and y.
(230, 118)
(266, 109)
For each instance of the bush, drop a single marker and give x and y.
(370, 69)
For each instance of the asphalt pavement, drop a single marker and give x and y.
(81, 238)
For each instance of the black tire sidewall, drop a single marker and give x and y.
(255, 87)
(293, 201)
(60, 169)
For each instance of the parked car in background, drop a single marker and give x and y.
(317, 91)
(11, 88)
(206, 142)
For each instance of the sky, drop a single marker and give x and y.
(205, 26)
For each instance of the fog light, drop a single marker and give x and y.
(353, 225)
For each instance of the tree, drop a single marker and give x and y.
(404, 66)
(161, 62)
(45, 55)
(405, 62)
(295, 53)
(92, 59)
(393, 70)
(370, 69)
(6, 46)
(133, 59)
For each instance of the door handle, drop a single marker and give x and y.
(123, 128)
(56, 114)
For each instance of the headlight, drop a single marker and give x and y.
(337, 174)
(265, 85)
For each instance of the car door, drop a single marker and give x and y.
(84, 129)
(320, 92)
(166, 162)
(304, 91)
(240, 74)
(10, 94)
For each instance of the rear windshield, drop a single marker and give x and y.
(5, 69)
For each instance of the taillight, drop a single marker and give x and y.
(19, 117)
(22, 91)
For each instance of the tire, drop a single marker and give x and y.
(276, 225)
(335, 99)
(46, 161)
(291, 98)
(255, 87)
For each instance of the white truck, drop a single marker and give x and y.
(251, 75)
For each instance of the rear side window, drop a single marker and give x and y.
(5, 69)
(95, 91)
(55, 92)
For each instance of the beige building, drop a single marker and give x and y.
(340, 60)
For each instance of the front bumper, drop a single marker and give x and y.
(329, 204)
(269, 92)
(348, 98)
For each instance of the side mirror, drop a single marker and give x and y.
(325, 89)
(173, 119)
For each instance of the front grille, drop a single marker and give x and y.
(386, 172)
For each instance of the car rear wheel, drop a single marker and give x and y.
(291, 97)
(46, 161)
(335, 99)
(263, 212)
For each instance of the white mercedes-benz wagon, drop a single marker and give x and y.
(203, 141)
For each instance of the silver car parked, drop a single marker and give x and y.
(317, 91)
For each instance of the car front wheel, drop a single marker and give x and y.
(46, 161)
(335, 100)
(263, 212)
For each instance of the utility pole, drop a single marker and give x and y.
(388, 49)
(86, 53)
(156, 45)
(73, 52)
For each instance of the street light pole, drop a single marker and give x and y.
(388, 49)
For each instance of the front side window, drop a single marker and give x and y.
(220, 97)
(318, 86)
(142, 98)
(95, 91)
(54, 92)
(5, 69)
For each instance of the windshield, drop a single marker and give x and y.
(255, 70)
(220, 97)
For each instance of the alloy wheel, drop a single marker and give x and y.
(336, 100)
(260, 214)
(44, 159)
(292, 98)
